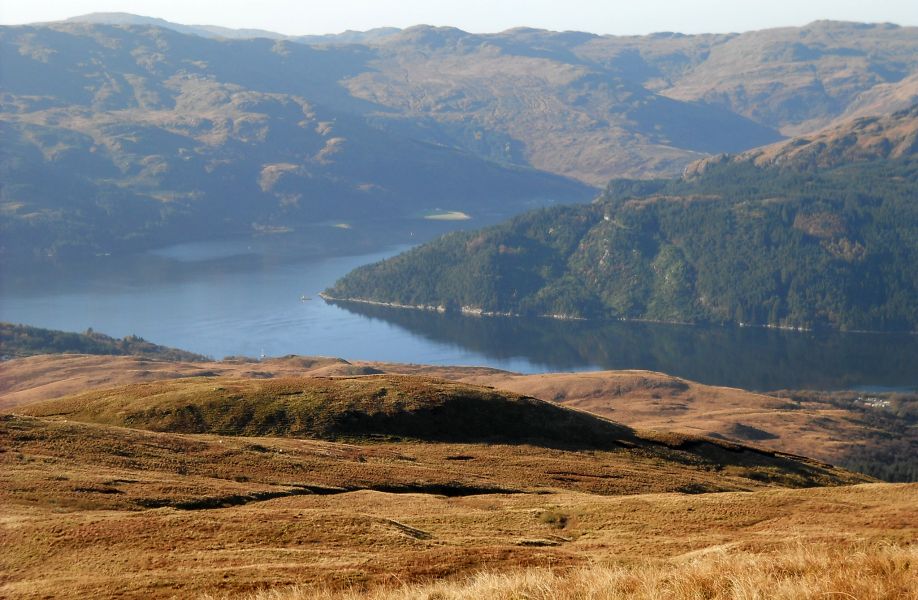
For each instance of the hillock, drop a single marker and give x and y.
(403, 408)
(375, 406)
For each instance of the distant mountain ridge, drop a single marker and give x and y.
(597, 107)
(121, 18)
(216, 31)
(123, 137)
(118, 139)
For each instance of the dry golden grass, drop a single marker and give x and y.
(99, 510)
(640, 399)
(239, 514)
(792, 572)
(649, 400)
(44, 377)
(407, 407)
(364, 540)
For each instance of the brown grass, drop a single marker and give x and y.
(397, 408)
(97, 510)
(648, 400)
(793, 572)
(640, 399)
(364, 540)
(78, 514)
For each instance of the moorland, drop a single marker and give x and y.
(147, 477)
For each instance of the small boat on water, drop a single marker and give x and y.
(305, 298)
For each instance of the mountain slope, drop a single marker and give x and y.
(597, 107)
(863, 139)
(799, 80)
(548, 110)
(193, 514)
(773, 246)
(124, 138)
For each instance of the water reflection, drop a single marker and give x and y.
(759, 359)
(245, 297)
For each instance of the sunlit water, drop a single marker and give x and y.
(247, 298)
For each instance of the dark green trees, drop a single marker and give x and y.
(740, 244)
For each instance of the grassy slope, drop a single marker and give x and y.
(80, 517)
(645, 400)
(395, 408)
(324, 408)
(813, 427)
(791, 571)
(93, 508)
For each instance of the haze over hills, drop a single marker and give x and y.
(793, 80)
(213, 31)
(788, 244)
(123, 137)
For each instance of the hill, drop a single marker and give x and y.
(244, 513)
(120, 139)
(330, 408)
(868, 432)
(124, 133)
(785, 245)
(871, 433)
(24, 340)
(859, 140)
(421, 479)
(392, 407)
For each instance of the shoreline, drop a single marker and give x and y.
(478, 312)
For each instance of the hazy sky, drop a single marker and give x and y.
(599, 16)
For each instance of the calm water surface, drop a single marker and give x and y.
(245, 298)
